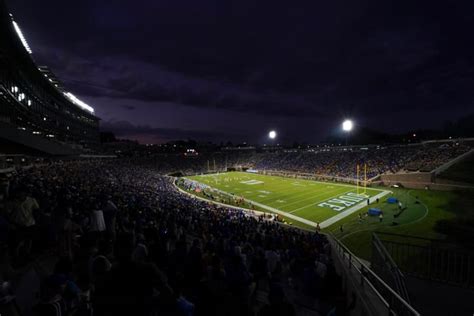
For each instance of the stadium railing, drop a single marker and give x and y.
(383, 264)
(377, 296)
(430, 259)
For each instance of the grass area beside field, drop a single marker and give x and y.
(419, 220)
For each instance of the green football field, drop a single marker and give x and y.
(305, 201)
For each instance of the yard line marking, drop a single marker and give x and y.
(323, 224)
(312, 197)
(283, 188)
(295, 198)
(293, 195)
(327, 182)
(263, 206)
(321, 201)
(289, 195)
(292, 180)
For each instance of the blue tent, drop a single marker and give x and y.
(374, 211)
(392, 200)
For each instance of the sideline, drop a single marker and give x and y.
(271, 209)
(323, 224)
(250, 212)
(352, 210)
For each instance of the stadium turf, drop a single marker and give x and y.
(306, 199)
(423, 208)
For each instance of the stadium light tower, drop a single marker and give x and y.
(347, 126)
(272, 134)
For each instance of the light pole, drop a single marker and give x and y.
(347, 127)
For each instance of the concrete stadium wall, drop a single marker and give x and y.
(452, 162)
(421, 180)
(415, 177)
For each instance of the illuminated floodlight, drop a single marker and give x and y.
(347, 125)
(272, 134)
(22, 38)
(78, 102)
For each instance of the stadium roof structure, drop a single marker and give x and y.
(48, 73)
(32, 98)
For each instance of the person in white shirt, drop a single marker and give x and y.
(23, 217)
(97, 222)
(110, 214)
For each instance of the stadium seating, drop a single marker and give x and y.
(103, 221)
(122, 231)
(336, 162)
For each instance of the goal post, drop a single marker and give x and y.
(357, 178)
(361, 179)
(365, 178)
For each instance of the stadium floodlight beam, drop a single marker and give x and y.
(78, 102)
(272, 134)
(347, 125)
(22, 37)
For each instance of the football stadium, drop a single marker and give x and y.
(305, 201)
(233, 159)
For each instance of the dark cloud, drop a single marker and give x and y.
(129, 107)
(279, 62)
(125, 129)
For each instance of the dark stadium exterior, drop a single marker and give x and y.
(34, 108)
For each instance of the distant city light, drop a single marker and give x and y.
(347, 125)
(272, 134)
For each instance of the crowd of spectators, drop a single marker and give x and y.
(334, 162)
(431, 157)
(342, 162)
(125, 242)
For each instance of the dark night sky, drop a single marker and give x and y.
(156, 70)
